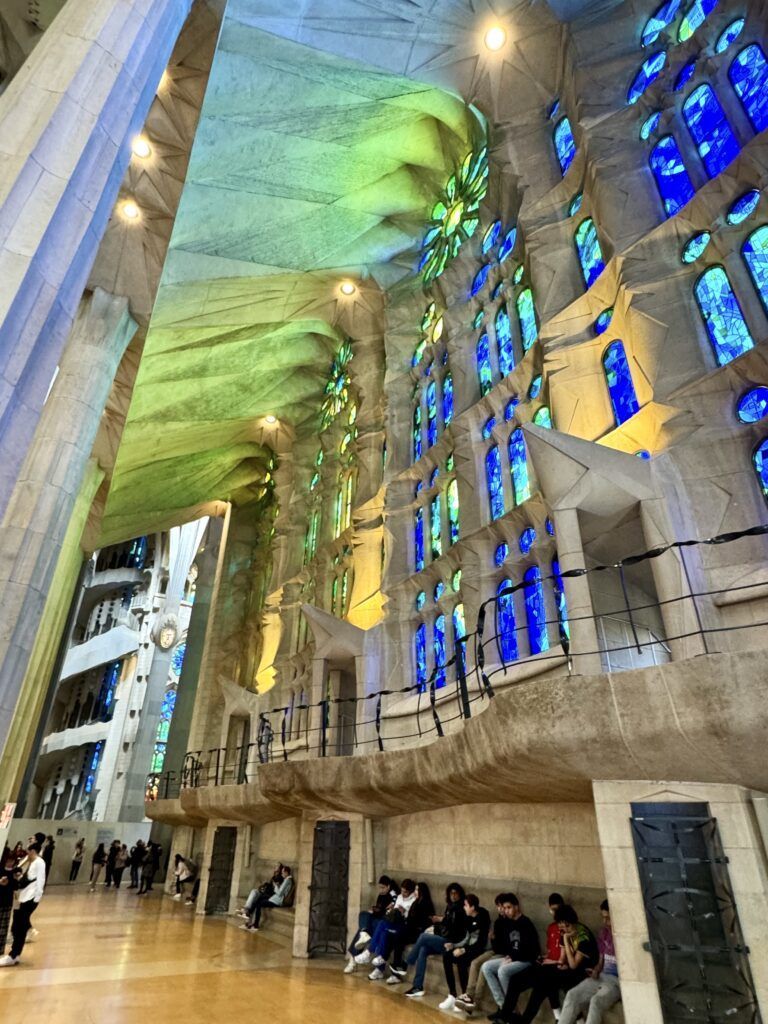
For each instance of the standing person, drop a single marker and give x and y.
(473, 945)
(121, 859)
(114, 846)
(156, 852)
(449, 929)
(137, 855)
(31, 886)
(98, 861)
(147, 870)
(600, 991)
(279, 898)
(8, 883)
(77, 859)
(47, 854)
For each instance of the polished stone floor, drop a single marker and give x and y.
(112, 956)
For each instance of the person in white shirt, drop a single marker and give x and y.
(31, 886)
(387, 932)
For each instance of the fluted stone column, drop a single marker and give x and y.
(42, 502)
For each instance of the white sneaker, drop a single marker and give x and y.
(394, 980)
(448, 1003)
(177, 896)
(363, 958)
(376, 974)
(378, 961)
(363, 940)
(32, 934)
(8, 961)
(350, 968)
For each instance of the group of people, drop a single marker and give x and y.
(278, 891)
(22, 877)
(143, 861)
(505, 955)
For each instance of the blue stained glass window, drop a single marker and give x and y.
(753, 406)
(506, 633)
(709, 128)
(603, 321)
(549, 526)
(459, 635)
(695, 247)
(729, 34)
(518, 275)
(500, 554)
(755, 253)
(554, 110)
(535, 611)
(498, 290)
(480, 278)
(590, 254)
(421, 598)
(494, 481)
(656, 24)
(575, 204)
(619, 381)
(431, 414)
(649, 125)
(649, 71)
(479, 317)
(447, 399)
(488, 427)
(491, 236)
(760, 462)
(106, 695)
(535, 389)
(439, 590)
(418, 539)
(642, 453)
(749, 77)
(722, 315)
(177, 661)
(435, 530)
(672, 181)
(526, 314)
(506, 247)
(484, 371)
(438, 645)
(509, 408)
(543, 418)
(420, 645)
(564, 144)
(744, 207)
(417, 432)
(95, 760)
(562, 610)
(694, 17)
(527, 538)
(433, 476)
(504, 341)
(684, 75)
(518, 461)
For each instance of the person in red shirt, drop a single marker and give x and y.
(554, 934)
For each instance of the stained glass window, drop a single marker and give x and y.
(459, 640)
(760, 462)
(349, 493)
(339, 382)
(177, 660)
(749, 76)
(421, 598)
(603, 321)
(456, 580)
(504, 341)
(517, 277)
(684, 75)
(94, 766)
(498, 290)
(494, 481)
(438, 645)
(420, 646)
(452, 498)
(484, 371)
(695, 247)
(554, 110)
(312, 529)
(526, 314)
(619, 380)
(590, 254)
(418, 539)
(439, 590)
(535, 611)
(575, 204)
(649, 125)
(543, 418)
(435, 529)
(656, 24)
(505, 622)
(106, 695)
(431, 414)
(478, 281)
(526, 540)
(500, 554)
(488, 427)
(509, 408)
(518, 463)
(722, 315)
(729, 34)
(418, 352)
(709, 128)
(565, 144)
(158, 759)
(562, 610)
(672, 181)
(455, 215)
(491, 237)
(417, 430)
(447, 399)
(694, 17)
(549, 526)
(166, 713)
(508, 244)
(535, 389)
(744, 207)
(649, 71)
(755, 253)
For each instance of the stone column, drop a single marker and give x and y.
(42, 502)
(570, 554)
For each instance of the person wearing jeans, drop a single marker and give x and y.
(517, 943)
(458, 960)
(449, 931)
(387, 933)
(279, 898)
(368, 919)
(599, 992)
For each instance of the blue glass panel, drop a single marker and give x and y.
(715, 141)
(649, 125)
(177, 661)
(729, 34)
(488, 427)
(535, 611)
(420, 644)
(526, 314)
(479, 317)
(518, 462)
(459, 635)
(95, 760)
(506, 247)
(760, 462)
(495, 485)
(619, 381)
(500, 554)
(554, 110)
(755, 253)
(431, 414)
(603, 321)
(749, 77)
(504, 341)
(564, 144)
(509, 408)
(753, 406)
(656, 24)
(433, 476)
(418, 539)
(438, 645)
(518, 275)
(672, 179)
(744, 207)
(562, 611)
(722, 314)
(439, 590)
(447, 399)
(695, 247)
(575, 204)
(684, 75)
(590, 254)
(543, 418)
(421, 598)
(435, 529)
(484, 371)
(550, 526)
(505, 622)
(535, 389)
(498, 290)
(643, 454)
(694, 17)
(649, 71)
(491, 236)
(527, 538)
(417, 432)
(480, 278)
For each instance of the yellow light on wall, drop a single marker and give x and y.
(495, 38)
(130, 210)
(347, 288)
(270, 419)
(141, 148)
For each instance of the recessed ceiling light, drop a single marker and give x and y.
(130, 209)
(347, 288)
(270, 419)
(495, 37)
(141, 148)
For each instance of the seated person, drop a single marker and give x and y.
(473, 945)
(419, 919)
(387, 932)
(279, 898)
(475, 980)
(448, 930)
(266, 888)
(368, 919)
(517, 946)
(600, 991)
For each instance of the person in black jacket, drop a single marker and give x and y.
(419, 918)
(448, 930)
(517, 943)
(8, 885)
(136, 859)
(463, 953)
(368, 919)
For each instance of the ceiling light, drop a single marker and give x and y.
(270, 419)
(130, 209)
(347, 288)
(141, 148)
(495, 38)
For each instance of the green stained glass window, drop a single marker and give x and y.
(526, 314)
(543, 418)
(518, 462)
(435, 528)
(484, 371)
(452, 496)
(455, 216)
(504, 341)
(339, 382)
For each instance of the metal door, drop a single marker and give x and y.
(220, 871)
(328, 891)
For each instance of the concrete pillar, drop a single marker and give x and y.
(570, 554)
(43, 499)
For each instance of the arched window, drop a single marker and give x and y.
(755, 253)
(760, 462)
(431, 414)
(722, 315)
(312, 530)
(562, 610)
(535, 611)
(504, 341)
(526, 314)
(695, 16)
(349, 495)
(494, 481)
(672, 181)
(435, 529)
(447, 399)
(420, 647)
(452, 499)
(656, 24)
(506, 634)
(709, 128)
(438, 645)
(619, 381)
(418, 539)
(749, 77)
(590, 254)
(484, 371)
(459, 640)
(518, 461)
(543, 418)
(565, 144)
(417, 430)
(649, 71)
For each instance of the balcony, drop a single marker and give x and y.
(116, 643)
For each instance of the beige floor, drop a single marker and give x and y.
(112, 957)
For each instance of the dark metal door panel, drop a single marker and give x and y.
(220, 871)
(329, 888)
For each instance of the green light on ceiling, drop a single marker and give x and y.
(455, 215)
